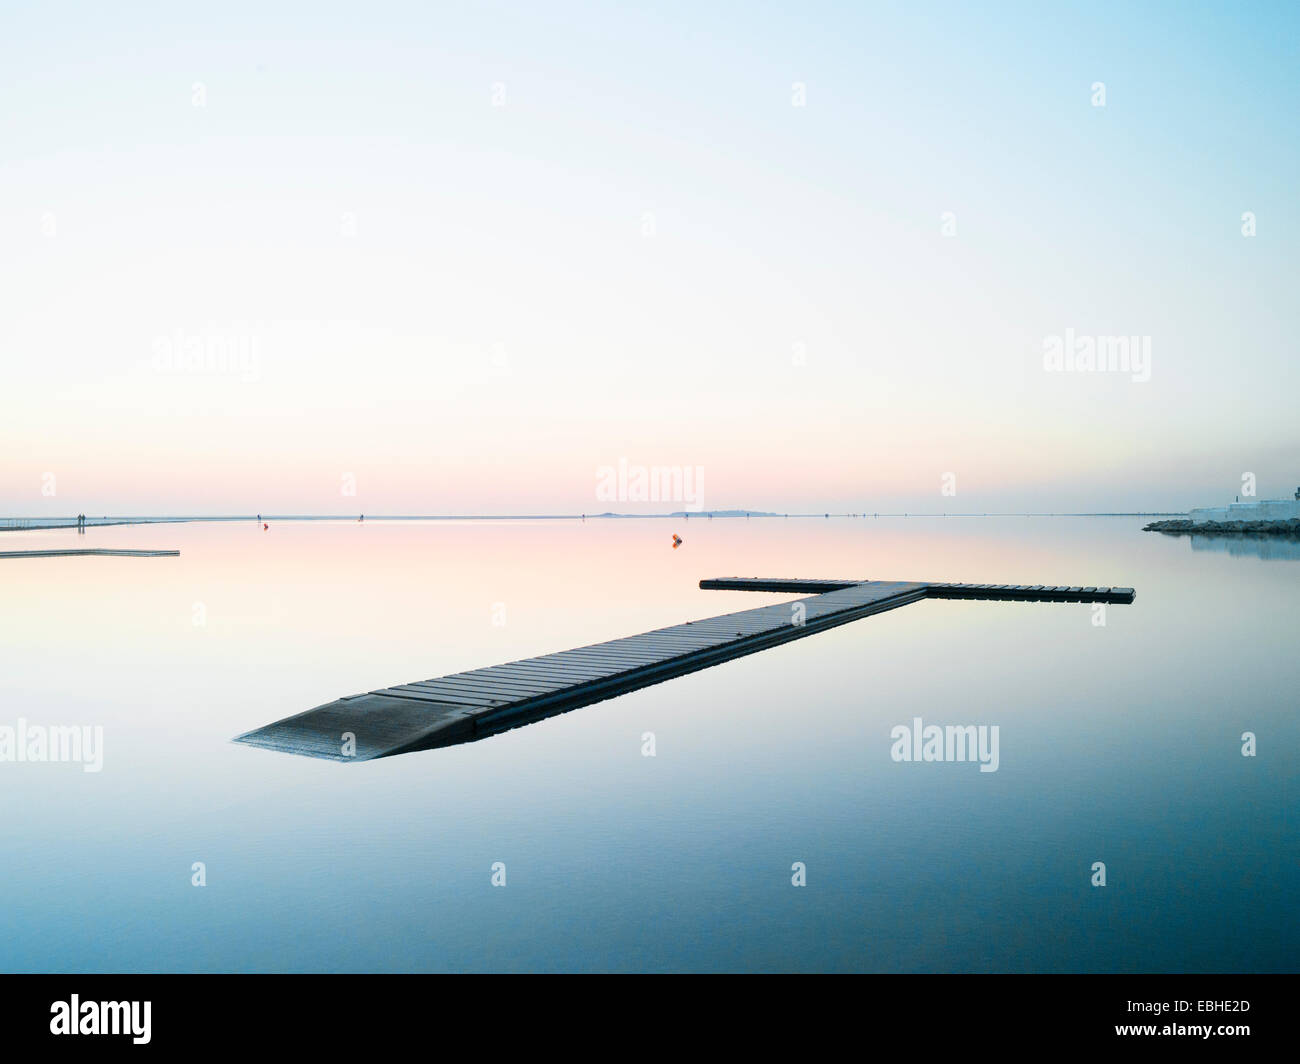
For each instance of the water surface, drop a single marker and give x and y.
(1119, 742)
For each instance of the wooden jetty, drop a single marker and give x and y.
(90, 550)
(466, 706)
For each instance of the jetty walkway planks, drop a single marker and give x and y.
(1008, 592)
(465, 706)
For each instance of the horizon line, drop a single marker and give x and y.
(606, 515)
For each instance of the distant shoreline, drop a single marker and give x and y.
(35, 524)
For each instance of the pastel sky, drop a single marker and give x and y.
(468, 254)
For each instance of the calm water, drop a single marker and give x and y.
(1118, 743)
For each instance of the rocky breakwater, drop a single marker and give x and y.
(1290, 527)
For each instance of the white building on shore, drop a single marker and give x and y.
(1264, 510)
